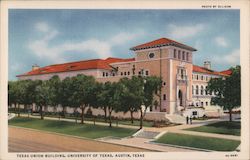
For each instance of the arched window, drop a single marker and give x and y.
(202, 88)
(197, 90)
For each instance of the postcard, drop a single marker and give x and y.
(124, 80)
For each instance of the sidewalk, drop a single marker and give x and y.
(144, 143)
(78, 121)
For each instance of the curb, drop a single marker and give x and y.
(138, 132)
(160, 134)
(11, 115)
(177, 146)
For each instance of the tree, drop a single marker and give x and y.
(54, 95)
(12, 94)
(20, 94)
(99, 98)
(64, 92)
(42, 96)
(112, 94)
(131, 96)
(227, 91)
(82, 96)
(152, 85)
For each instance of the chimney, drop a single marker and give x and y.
(34, 67)
(207, 64)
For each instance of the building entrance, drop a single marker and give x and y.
(180, 98)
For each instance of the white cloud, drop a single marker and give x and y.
(232, 58)
(101, 48)
(124, 37)
(186, 31)
(42, 26)
(221, 41)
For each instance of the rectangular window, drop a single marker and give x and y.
(194, 113)
(121, 73)
(125, 73)
(113, 74)
(197, 77)
(146, 73)
(139, 72)
(107, 74)
(128, 73)
(202, 78)
(164, 97)
(174, 53)
(187, 56)
(179, 54)
(183, 55)
(103, 74)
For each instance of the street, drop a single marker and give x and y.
(26, 140)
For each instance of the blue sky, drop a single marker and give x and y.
(45, 37)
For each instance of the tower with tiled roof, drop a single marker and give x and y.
(172, 61)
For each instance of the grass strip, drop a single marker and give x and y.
(225, 127)
(70, 128)
(216, 144)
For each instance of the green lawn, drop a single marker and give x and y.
(215, 144)
(225, 127)
(70, 128)
(126, 122)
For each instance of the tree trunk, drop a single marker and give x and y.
(41, 112)
(132, 117)
(75, 114)
(105, 114)
(64, 108)
(18, 110)
(110, 120)
(32, 109)
(230, 115)
(82, 115)
(15, 108)
(28, 111)
(141, 119)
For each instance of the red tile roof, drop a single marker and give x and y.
(207, 71)
(228, 72)
(76, 66)
(161, 42)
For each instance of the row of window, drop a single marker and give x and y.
(200, 90)
(202, 104)
(200, 77)
(125, 73)
(182, 55)
(106, 74)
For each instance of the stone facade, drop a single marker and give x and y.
(182, 86)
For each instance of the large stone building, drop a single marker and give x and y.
(183, 85)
